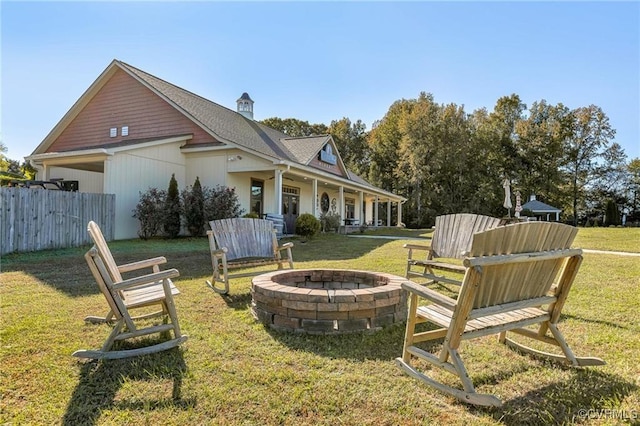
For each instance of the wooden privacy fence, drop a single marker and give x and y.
(37, 219)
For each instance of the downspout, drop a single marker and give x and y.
(39, 168)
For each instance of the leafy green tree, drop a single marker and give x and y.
(540, 150)
(612, 215)
(351, 141)
(384, 141)
(633, 189)
(193, 202)
(590, 134)
(172, 209)
(294, 127)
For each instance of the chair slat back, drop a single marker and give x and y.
(104, 281)
(517, 281)
(453, 233)
(245, 237)
(104, 252)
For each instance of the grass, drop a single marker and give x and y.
(233, 371)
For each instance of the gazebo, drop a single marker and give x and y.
(541, 210)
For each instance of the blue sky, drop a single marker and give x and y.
(321, 61)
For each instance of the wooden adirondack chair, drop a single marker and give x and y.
(451, 240)
(124, 295)
(244, 243)
(516, 276)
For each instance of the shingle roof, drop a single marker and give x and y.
(230, 126)
(304, 149)
(227, 124)
(539, 206)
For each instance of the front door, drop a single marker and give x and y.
(290, 212)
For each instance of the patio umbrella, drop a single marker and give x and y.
(506, 184)
(518, 208)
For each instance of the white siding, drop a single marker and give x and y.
(129, 173)
(210, 167)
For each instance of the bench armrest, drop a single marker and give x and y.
(285, 246)
(429, 294)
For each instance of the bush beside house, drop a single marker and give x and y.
(158, 211)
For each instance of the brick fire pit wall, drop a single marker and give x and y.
(328, 301)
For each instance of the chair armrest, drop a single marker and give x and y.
(147, 279)
(147, 263)
(429, 294)
(416, 247)
(285, 246)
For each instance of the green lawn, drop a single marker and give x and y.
(233, 371)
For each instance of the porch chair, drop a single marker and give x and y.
(240, 243)
(124, 295)
(451, 240)
(517, 276)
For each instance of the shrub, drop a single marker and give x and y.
(172, 208)
(307, 225)
(330, 221)
(193, 203)
(251, 215)
(221, 203)
(150, 212)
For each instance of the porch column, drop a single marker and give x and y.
(314, 196)
(399, 214)
(389, 212)
(277, 187)
(375, 211)
(341, 203)
(359, 209)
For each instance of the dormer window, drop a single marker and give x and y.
(326, 155)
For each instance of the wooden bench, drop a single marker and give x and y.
(240, 243)
(451, 239)
(517, 276)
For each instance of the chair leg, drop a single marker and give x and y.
(171, 310)
(221, 279)
(117, 329)
(556, 340)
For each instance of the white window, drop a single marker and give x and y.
(113, 132)
(125, 131)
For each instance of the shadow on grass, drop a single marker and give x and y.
(66, 270)
(564, 402)
(239, 301)
(594, 321)
(385, 344)
(100, 382)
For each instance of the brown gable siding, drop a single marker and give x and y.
(331, 168)
(123, 101)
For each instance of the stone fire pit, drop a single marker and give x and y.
(328, 301)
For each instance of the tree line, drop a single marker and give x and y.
(446, 160)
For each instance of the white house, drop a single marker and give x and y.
(131, 131)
